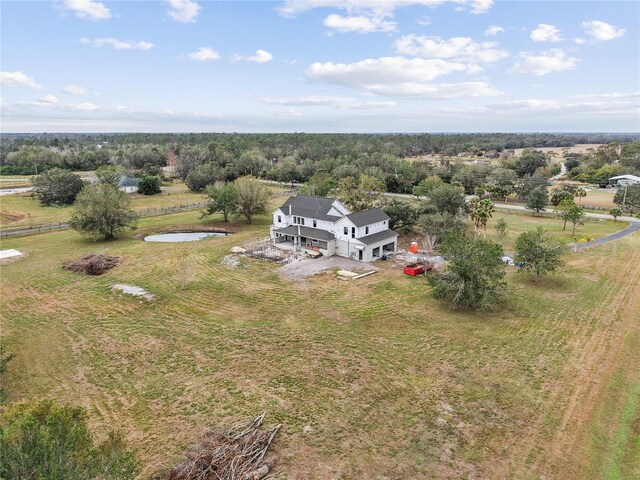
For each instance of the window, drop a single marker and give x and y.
(353, 232)
(366, 230)
(346, 230)
(315, 224)
(279, 219)
(301, 221)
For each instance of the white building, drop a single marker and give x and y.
(128, 185)
(327, 226)
(624, 180)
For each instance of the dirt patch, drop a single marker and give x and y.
(133, 290)
(221, 227)
(7, 216)
(95, 264)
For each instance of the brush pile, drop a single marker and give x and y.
(95, 264)
(236, 453)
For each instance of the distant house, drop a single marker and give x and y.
(624, 180)
(128, 185)
(327, 226)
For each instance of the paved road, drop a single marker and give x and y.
(603, 216)
(614, 236)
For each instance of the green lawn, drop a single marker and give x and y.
(391, 383)
(518, 222)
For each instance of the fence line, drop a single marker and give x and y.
(62, 225)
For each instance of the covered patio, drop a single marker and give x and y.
(298, 237)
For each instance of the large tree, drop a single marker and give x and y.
(530, 161)
(360, 194)
(223, 199)
(537, 253)
(252, 197)
(102, 210)
(402, 215)
(538, 199)
(474, 276)
(203, 175)
(42, 440)
(57, 187)
(448, 199)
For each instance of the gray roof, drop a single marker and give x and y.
(308, 232)
(310, 206)
(367, 217)
(378, 237)
(128, 182)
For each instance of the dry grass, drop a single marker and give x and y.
(559, 151)
(23, 210)
(369, 378)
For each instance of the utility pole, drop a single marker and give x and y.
(624, 198)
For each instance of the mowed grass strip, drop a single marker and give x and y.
(367, 377)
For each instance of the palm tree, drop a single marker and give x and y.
(580, 192)
(585, 239)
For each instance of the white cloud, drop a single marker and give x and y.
(261, 56)
(329, 101)
(555, 60)
(204, 54)
(458, 48)
(579, 41)
(84, 107)
(359, 23)
(74, 90)
(401, 77)
(601, 31)
(595, 103)
(18, 79)
(546, 33)
(87, 9)
(424, 21)
(493, 30)
(48, 99)
(117, 44)
(365, 16)
(184, 11)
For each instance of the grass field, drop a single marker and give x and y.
(14, 181)
(23, 210)
(370, 378)
(518, 222)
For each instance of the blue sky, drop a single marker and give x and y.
(320, 66)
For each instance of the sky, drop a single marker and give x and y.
(320, 66)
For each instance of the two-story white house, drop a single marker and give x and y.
(327, 226)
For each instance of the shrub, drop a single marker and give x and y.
(149, 185)
(44, 440)
(474, 277)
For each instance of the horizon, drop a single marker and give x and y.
(339, 66)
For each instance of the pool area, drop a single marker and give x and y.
(176, 237)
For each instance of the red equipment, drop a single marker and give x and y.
(417, 268)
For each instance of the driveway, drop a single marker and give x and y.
(306, 267)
